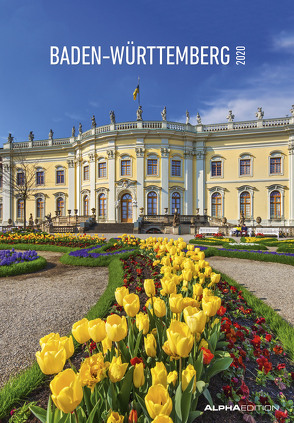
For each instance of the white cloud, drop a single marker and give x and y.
(284, 41)
(73, 116)
(94, 104)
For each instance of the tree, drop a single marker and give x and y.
(20, 180)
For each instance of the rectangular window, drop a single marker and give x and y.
(1, 211)
(86, 173)
(102, 170)
(245, 167)
(20, 180)
(216, 168)
(40, 178)
(126, 168)
(60, 176)
(275, 165)
(1, 181)
(176, 167)
(152, 167)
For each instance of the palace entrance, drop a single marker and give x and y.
(126, 208)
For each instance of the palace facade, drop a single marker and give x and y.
(116, 169)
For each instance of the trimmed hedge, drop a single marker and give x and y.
(245, 247)
(21, 268)
(38, 247)
(200, 241)
(250, 256)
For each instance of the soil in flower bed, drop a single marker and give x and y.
(260, 372)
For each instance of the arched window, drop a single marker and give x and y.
(152, 203)
(176, 202)
(40, 208)
(126, 208)
(216, 205)
(20, 209)
(102, 205)
(275, 205)
(245, 204)
(86, 205)
(60, 206)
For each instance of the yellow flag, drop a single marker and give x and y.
(136, 92)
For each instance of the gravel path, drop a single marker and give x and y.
(271, 282)
(34, 305)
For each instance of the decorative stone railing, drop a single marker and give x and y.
(157, 125)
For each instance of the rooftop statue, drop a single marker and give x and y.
(93, 122)
(198, 118)
(260, 113)
(31, 136)
(10, 138)
(51, 134)
(139, 113)
(292, 110)
(187, 117)
(80, 129)
(230, 116)
(163, 114)
(112, 116)
(73, 131)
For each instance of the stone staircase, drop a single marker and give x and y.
(112, 228)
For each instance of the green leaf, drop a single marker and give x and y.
(193, 415)
(218, 366)
(49, 411)
(87, 399)
(207, 395)
(178, 401)
(200, 384)
(39, 412)
(124, 352)
(186, 400)
(125, 391)
(92, 414)
(142, 405)
(222, 344)
(212, 341)
(138, 343)
(199, 366)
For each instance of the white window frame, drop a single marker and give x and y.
(104, 191)
(126, 157)
(281, 190)
(251, 190)
(176, 158)
(149, 189)
(245, 156)
(152, 157)
(276, 154)
(40, 169)
(42, 197)
(221, 191)
(86, 181)
(100, 161)
(63, 196)
(217, 159)
(58, 168)
(180, 191)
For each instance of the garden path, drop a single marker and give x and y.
(271, 282)
(36, 304)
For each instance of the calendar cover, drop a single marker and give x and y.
(156, 120)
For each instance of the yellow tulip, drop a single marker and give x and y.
(187, 274)
(190, 302)
(106, 345)
(120, 293)
(68, 345)
(150, 345)
(215, 278)
(201, 278)
(211, 305)
(172, 377)
(117, 369)
(131, 304)
(50, 337)
(97, 330)
(149, 287)
(116, 327)
(197, 290)
(80, 331)
(168, 286)
(158, 401)
(187, 375)
(176, 303)
(93, 370)
(180, 339)
(162, 419)
(201, 255)
(195, 319)
(52, 358)
(115, 417)
(142, 323)
(207, 271)
(138, 375)
(159, 307)
(159, 374)
(203, 344)
(207, 292)
(67, 392)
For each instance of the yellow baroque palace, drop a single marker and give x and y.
(117, 169)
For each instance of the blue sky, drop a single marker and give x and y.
(35, 95)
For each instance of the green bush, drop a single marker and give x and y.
(39, 247)
(250, 256)
(245, 247)
(21, 268)
(206, 241)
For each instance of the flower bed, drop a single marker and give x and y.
(15, 263)
(245, 246)
(66, 240)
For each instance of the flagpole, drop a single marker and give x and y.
(139, 91)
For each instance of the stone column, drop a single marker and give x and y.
(6, 193)
(200, 178)
(71, 184)
(92, 168)
(140, 153)
(78, 186)
(111, 186)
(164, 175)
(291, 179)
(188, 195)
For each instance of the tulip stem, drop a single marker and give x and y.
(180, 370)
(77, 417)
(72, 366)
